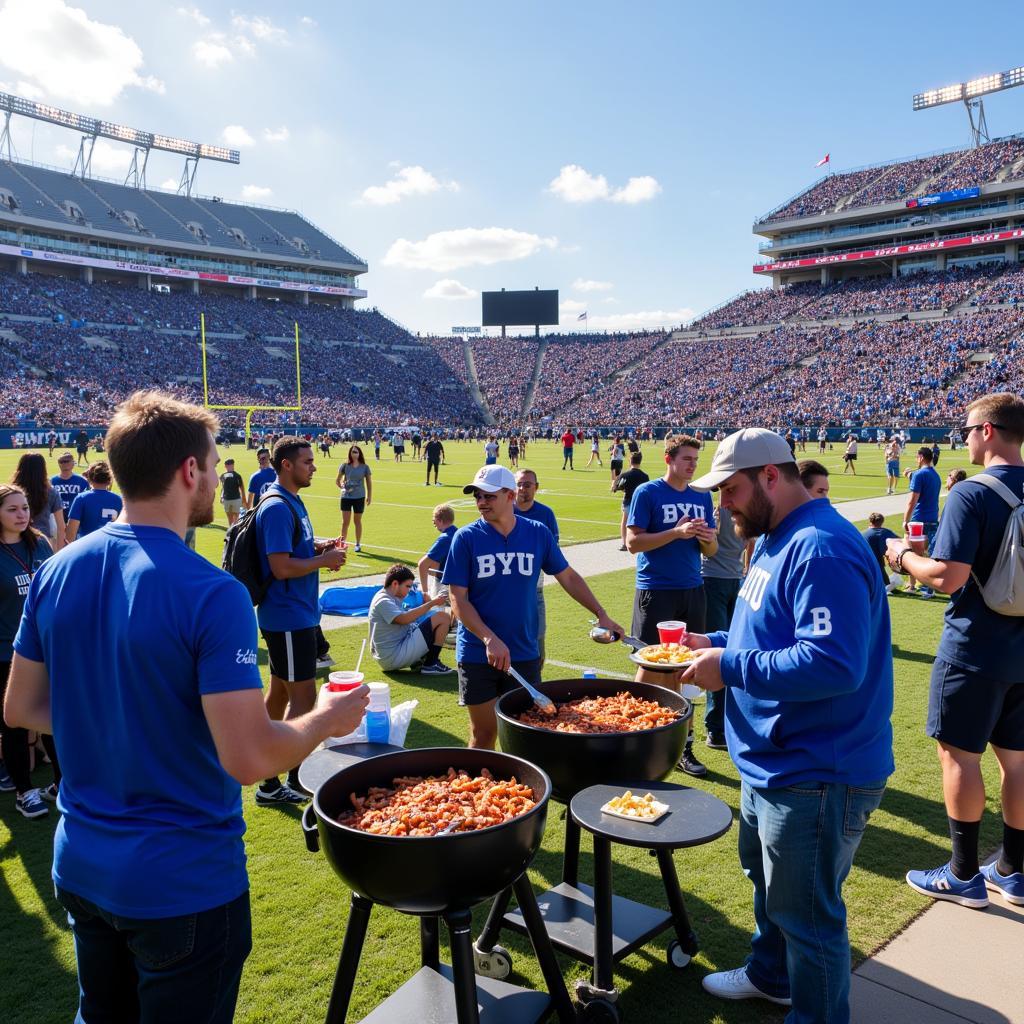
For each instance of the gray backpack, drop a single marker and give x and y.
(1004, 590)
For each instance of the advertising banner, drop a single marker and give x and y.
(937, 198)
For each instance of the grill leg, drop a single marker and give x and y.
(348, 962)
(603, 963)
(542, 947)
(571, 861)
(430, 949)
(492, 926)
(460, 927)
(681, 920)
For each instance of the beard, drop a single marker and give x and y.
(756, 519)
(201, 513)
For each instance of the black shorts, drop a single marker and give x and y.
(616, 465)
(292, 654)
(969, 710)
(357, 505)
(434, 464)
(653, 606)
(479, 684)
(849, 458)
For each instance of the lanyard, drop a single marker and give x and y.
(28, 568)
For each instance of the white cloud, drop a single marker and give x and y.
(107, 158)
(449, 288)
(24, 89)
(465, 247)
(254, 193)
(276, 134)
(195, 14)
(583, 285)
(259, 28)
(236, 135)
(645, 320)
(637, 190)
(65, 55)
(212, 51)
(571, 306)
(574, 184)
(408, 181)
(306, 22)
(171, 184)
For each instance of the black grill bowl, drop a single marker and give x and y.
(429, 874)
(578, 760)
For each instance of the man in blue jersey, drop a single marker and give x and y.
(96, 507)
(262, 478)
(157, 712)
(670, 526)
(431, 566)
(67, 483)
(289, 614)
(492, 573)
(976, 697)
(807, 661)
(529, 508)
(923, 505)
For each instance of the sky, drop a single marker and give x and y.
(618, 153)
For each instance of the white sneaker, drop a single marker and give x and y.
(737, 985)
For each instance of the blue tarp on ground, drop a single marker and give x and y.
(342, 600)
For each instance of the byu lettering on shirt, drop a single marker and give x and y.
(657, 506)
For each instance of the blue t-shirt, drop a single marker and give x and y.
(877, 536)
(971, 531)
(68, 490)
(808, 657)
(261, 480)
(289, 604)
(540, 513)
(94, 509)
(134, 628)
(440, 548)
(926, 483)
(502, 574)
(657, 506)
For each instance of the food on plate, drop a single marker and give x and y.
(415, 805)
(665, 654)
(619, 713)
(631, 806)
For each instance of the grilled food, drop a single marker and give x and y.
(620, 713)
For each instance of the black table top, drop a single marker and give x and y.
(695, 817)
(322, 764)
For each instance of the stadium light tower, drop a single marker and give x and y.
(93, 129)
(970, 93)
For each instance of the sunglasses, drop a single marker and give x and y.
(968, 427)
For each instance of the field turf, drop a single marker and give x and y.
(300, 907)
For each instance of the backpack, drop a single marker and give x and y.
(1004, 590)
(242, 554)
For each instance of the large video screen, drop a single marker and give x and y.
(520, 309)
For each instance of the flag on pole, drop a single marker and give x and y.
(582, 316)
(824, 160)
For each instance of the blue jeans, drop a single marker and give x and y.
(720, 597)
(796, 846)
(161, 970)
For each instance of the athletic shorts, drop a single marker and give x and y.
(413, 647)
(969, 710)
(433, 464)
(653, 606)
(490, 460)
(479, 684)
(616, 465)
(892, 469)
(232, 504)
(849, 458)
(566, 453)
(292, 654)
(357, 505)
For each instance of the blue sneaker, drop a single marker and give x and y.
(942, 884)
(6, 782)
(1011, 886)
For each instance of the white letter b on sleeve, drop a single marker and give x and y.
(821, 622)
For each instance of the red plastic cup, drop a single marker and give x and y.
(671, 631)
(342, 682)
(916, 531)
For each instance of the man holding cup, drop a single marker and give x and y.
(669, 527)
(921, 519)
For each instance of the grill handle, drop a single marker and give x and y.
(310, 831)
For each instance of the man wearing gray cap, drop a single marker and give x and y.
(807, 660)
(492, 572)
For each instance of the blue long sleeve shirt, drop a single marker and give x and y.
(808, 658)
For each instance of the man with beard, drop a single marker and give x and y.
(157, 711)
(807, 661)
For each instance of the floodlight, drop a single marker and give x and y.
(976, 87)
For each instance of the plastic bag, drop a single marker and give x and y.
(401, 717)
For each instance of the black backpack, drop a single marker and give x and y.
(242, 554)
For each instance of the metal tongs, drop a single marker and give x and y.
(601, 635)
(546, 704)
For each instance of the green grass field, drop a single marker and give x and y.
(300, 907)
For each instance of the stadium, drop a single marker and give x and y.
(884, 300)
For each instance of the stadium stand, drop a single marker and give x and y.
(504, 368)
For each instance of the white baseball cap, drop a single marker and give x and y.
(491, 479)
(745, 449)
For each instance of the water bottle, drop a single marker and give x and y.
(590, 673)
(378, 713)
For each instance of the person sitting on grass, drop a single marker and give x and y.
(400, 638)
(878, 537)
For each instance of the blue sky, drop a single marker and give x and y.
(619, 153)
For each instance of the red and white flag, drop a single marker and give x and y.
(824, 160)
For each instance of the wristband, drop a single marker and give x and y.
(899, 561)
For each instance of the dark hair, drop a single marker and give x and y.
(674, 442)
(787, 470)
(876, 519)
(30, 535)
(398, 573)
(925, 453)
(1004, 408)
(262, 451)
(636, 458)
(809, 469)
(357, 449)
(151, 434)
(31, 479)
(958, 475)
(287, 447)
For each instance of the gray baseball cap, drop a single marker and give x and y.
(745, 449)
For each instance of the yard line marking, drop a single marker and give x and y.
(580, 668)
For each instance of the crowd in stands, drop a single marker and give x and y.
(452, 351)
(759, 306)
(901, 180)
(980, 165)
(504, 369)
(1007, 287)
